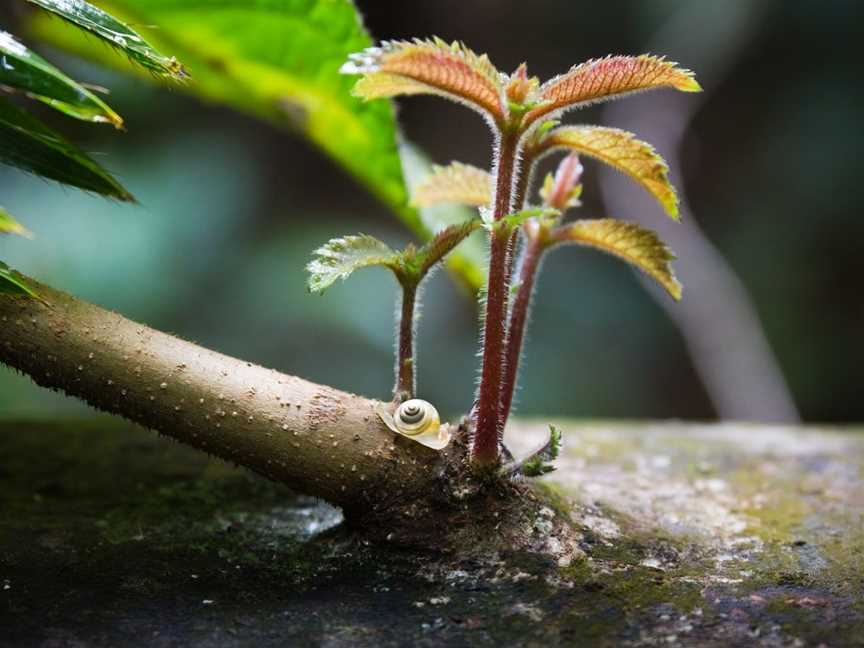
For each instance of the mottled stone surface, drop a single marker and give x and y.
(690, 534)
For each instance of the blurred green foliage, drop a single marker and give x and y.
(231, 209)
(280, 62)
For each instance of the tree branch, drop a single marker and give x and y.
(318, 440)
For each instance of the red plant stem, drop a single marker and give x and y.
(519, 194)
(518, 318)
(405, 373)
(487, 430)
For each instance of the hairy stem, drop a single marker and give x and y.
(316, 439)
(528, 266)
(487, 418)
(520, 195)
(406, 386)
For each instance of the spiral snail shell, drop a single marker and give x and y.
(418, 420)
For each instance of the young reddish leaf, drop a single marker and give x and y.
(609, 78)
(457, 183)
(429, 67)
(619, 149)
(521, 89)
(339, 257)
(563, 189)
(629, 241)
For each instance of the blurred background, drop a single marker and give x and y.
(767, 160)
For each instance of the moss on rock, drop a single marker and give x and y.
(698, 535)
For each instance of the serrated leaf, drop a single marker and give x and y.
(28, 144)
(339, 257)
(456, 183)
(538, 463)
(521, 90)
(470, 261)
(429, 67)
(9, 225)
(621, 150)
(116, 33)
(638, 246)
(12, 284)
(24, 70)
(608, 78)
(442, 244)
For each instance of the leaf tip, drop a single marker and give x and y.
(690, 85)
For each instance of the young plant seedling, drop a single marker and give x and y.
(523, 115)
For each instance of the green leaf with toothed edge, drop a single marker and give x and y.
(440, 246)
(340, 257)
(31, 146)
(23, 70)
(279, 60)
(115, 33)
(11, 284)
(622, 151)
(631, 242)
(538, 463)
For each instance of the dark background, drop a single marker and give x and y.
(231, 208)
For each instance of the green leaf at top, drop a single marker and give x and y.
(12, 284)
(279, 60)
(339, 257)
(23, 69)
(9, 225)
(114, 32)
(28, 144)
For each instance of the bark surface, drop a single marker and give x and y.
(316, 439)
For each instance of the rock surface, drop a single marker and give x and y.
(701, 535)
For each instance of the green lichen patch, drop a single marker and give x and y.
(761, 525)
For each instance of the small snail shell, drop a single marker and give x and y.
(418, 420)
